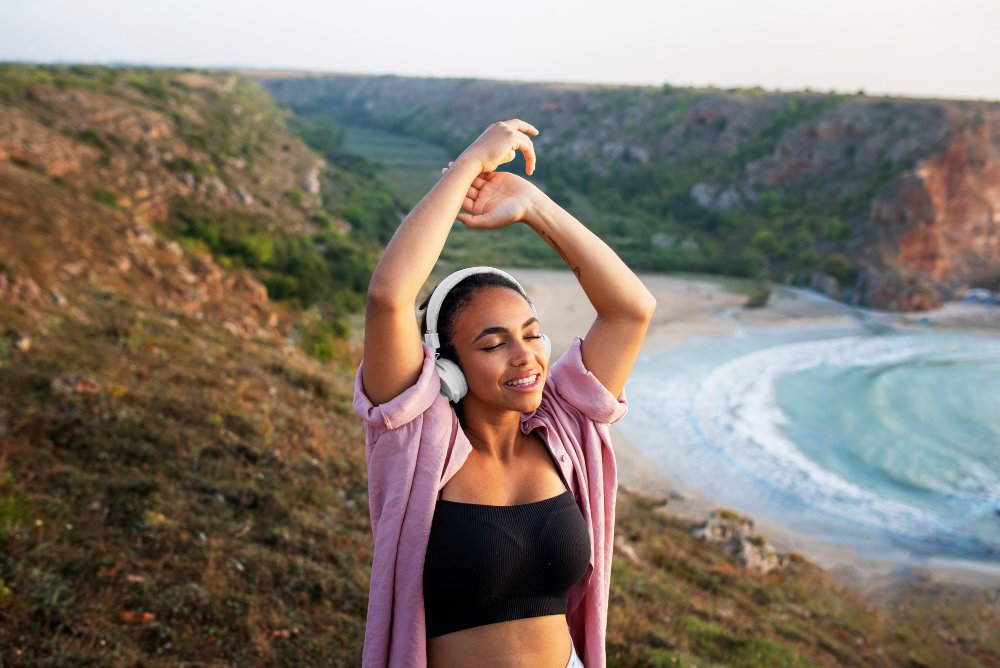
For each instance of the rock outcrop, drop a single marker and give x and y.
(736, 536)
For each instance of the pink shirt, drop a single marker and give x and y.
(414, 445)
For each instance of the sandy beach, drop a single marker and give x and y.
(696, 306)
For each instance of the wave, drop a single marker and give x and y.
(734, 411)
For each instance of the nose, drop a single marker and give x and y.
(522, 353)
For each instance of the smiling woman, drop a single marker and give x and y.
(490, 472)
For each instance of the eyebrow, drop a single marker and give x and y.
(502, 330)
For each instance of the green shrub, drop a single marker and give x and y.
(809, 259)
(91, 137)
(320, 340)
(152, 85)
(834, 229)
(759, 295)
(296, 196)
(749, 262)
(256, 250)
(324, 220)
(15, 509)
(840, 268)
(765, 241)
(105, 197)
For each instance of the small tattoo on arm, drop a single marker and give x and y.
(576, 271)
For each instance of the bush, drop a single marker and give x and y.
(323, 339)
(809, 259)
(105, 197)
(15, 509)
(296, 196)
(759, 295)
(256, 250)
(839, 267)
(834, 229)
(749, 262)
(765, 241)
(324, 220)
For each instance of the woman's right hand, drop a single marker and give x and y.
(500, 143)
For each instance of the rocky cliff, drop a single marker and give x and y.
(887, 202)
(184, 189)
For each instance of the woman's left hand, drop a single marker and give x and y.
(497, 199)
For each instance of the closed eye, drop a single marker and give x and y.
(497, 345)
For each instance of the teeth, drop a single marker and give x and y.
(523, 381)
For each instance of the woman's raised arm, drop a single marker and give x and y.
(393, 352)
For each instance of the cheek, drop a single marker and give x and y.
(481, 371)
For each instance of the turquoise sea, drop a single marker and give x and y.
(888, 442)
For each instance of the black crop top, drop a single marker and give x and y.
(488, 564)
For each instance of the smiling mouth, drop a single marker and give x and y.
(527, 381)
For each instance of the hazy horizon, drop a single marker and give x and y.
(891, 48)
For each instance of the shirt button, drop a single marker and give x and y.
(563, 457)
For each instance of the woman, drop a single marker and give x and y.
(502, 508)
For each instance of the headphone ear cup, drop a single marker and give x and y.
(548, 345)
(453, 383)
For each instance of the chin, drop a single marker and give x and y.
(530, 403)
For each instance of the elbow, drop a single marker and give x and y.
(382, 300)
(638, 309)
(643, 306)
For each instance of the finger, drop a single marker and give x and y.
(473, 192)
(522, 126)
(468, 204)
(479, 183)
(527, 148)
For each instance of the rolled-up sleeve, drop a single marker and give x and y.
(581, 389)
(401, 409)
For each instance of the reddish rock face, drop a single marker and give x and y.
(940, 225)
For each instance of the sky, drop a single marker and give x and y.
(894, 47)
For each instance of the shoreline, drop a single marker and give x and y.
(694, 306)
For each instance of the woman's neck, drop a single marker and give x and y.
(496, 434)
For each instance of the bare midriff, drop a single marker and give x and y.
(535, 642)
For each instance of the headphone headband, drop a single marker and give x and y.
(444, 287)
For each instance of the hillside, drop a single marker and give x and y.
(885, 202)
(182, 480)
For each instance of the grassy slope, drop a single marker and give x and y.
(206, 505)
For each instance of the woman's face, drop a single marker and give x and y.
(498, 342)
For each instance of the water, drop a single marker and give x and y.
(883, 442)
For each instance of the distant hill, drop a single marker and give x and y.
(887, 202)
(182, 477)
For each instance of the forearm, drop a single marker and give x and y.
(417, 243)
(612, 288)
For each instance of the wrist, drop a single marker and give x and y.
(469, 161)
(540, 210)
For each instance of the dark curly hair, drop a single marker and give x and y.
(456, 300)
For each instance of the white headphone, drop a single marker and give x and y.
(453, 383)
